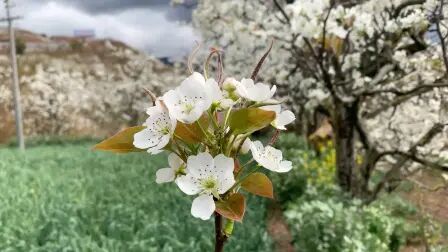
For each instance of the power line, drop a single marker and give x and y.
(15, 74)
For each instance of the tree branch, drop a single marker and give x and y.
(406, 156)
(438, 19)
(406, 4)
(282, 11)
(405, 95)
(398, 92)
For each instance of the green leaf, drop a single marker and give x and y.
(258, 184)
(249, 120)
(232, 207)
(192, 133)
(122, 142)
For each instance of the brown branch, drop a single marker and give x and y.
(220, 237)
(324, 32)
(406, 156)
(399, 100)
(406, 4)
(439, 34)
(416, 159)
(398, 92)
(282, 11)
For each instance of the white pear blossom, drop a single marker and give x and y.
(269, 157)
(259, 92)
(176, 169)
(219, 100)
(282, 118)
(188, 102)
(160, 127)
(208, 177)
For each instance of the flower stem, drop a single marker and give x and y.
(220, 237)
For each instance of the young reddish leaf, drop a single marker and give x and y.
(232, 207)
(192, 133)
(258, 184)
(249, 120)
(122, 142)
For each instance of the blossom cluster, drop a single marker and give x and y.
(361, 38)
(204, 124)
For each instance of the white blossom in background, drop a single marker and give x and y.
(269, 157)
(245, 27)
(80, 94)
(209, 177)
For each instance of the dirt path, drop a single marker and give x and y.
(429, 195)
(278, 229)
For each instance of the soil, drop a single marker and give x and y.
(278, 229)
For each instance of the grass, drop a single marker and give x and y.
(68, 198)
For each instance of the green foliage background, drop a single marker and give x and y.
(69, 198)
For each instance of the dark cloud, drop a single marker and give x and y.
(149, 25)
(101, 6)
(175, 13)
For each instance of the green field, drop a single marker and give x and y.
(69, 198)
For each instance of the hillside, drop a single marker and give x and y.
(90, 87)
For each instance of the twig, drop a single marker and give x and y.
(282, 11)
(260, 63)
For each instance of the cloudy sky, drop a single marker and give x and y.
(150, 25)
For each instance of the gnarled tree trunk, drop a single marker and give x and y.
(344, 121)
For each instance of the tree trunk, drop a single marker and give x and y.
(344, 121)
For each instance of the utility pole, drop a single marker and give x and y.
(15, 75)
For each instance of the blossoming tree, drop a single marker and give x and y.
(205, 125)
(377, 69)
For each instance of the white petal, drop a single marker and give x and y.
(273, 90)
(163, 141)
(214, 90)
(188, 184)
(241, 88)
(170, 99)
(223, 165)
(257, 148)
(192, 85)
(165, 175)
(175, 161)
(154, 110)
(203, 207)
(225, 182)
(200, 165)
(274, 153)
(285, 166)
(145, 139)
(260, 92)
(284, 118)
(245, 148)
(223, 170)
